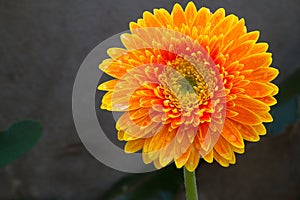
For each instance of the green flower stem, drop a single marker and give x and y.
(190, 185)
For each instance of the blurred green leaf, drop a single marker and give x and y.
(18, 139)
(158, 185)
(286, 111)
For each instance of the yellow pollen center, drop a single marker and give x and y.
(191, 80)
(183, 85)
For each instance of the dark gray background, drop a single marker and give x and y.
(42, 46)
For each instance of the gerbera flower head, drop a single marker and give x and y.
(192, 84)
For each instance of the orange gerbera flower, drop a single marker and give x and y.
(192, 84)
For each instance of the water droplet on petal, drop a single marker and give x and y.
(232, 138)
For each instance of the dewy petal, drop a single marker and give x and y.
(193, 160)
(258, 89)
(245, 116)
(232, 134)
(252, 104)
(248, 132)
(264, 74)
(257, 60)
(223, 148)
(269, 100)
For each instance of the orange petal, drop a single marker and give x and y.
(107, 101)
(157, 164)
(274, 87)
(181, 161)
(223, 148)
(270, 101)
(240, 50)
(222, 161)
(150, 20)
(230, 113)
(190, 12)
(237, 150)
(257, 89)
(123, 121)
(260, 129)
(158, 142)
(114, 69)
(237, 30)
(264, 74)
(257, 60)
(217, 16)
(121, 135)
(252, 104)
(202, 17)
(134, 145)
(204, 137)
(249, 133)
(142, 122)
(232, 134)
(108, 85)
(146, 101)
(133, 42)
(163, 16)
(233, 159)
(178, 16)
(245, 116)
(266, 117)
(166, 154)
(259, 48)
(193, 160)
(209, 157)
(136, 114)
(254, 35)
(134, 25)
(146, 158)
(224, 25)
(116, 53)
(181, 145)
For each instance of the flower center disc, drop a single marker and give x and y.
(184, 84)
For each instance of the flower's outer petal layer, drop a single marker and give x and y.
(243, 64)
